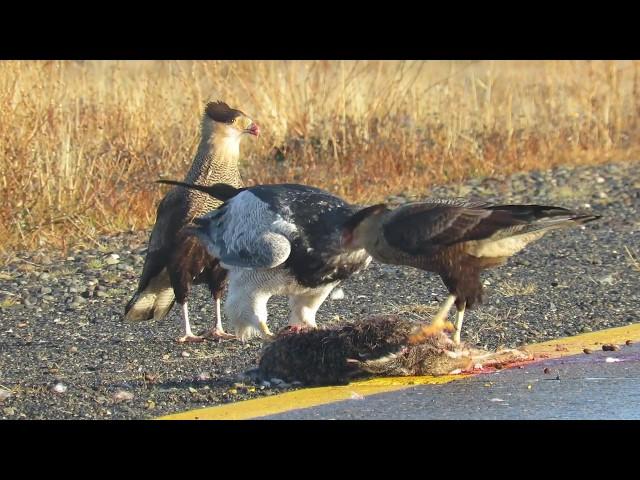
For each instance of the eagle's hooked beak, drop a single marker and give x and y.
(253, 129)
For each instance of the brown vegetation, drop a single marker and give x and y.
(82, 142)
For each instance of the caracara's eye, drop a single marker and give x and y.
(233, 120)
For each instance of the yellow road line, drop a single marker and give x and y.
(310, 397)
(562, 347)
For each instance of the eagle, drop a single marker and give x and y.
(279, 239)
(175, 259)
(454, 238)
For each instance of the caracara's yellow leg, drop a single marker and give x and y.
(459, 317)
(266, 333)
(438, 324)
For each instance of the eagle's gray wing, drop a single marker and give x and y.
(244, 232)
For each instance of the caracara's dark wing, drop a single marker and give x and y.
(426, 227)
(154, 296)
(170, 218)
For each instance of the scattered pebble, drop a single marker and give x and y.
(4, 394)
(123, 396)
(113, 259)
(356, 396)
(185, 354)
(59, 388)
(628, 342)
(612, 360)
(546, 370)
(609, 347)
(587, 351)
(337, 294)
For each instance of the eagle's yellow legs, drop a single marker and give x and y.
(438, 324)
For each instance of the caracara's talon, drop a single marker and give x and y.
(190, 339)
(431, 331)
(215, 334)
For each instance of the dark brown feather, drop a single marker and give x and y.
(191, 264)
(221, 112)
(435, 237)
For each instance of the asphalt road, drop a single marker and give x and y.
(66, 353)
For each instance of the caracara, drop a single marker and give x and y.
(379, 345)
(175, 260)
(456, 239)
(277, 240)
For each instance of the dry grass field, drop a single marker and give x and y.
(82, 142)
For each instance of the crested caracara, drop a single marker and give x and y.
(176, 260)
(456, 239)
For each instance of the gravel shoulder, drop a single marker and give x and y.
(66, 353)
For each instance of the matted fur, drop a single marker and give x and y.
(376, 345)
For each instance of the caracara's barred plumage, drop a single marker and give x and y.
(278, 240)
(456, 239)
(176, 260)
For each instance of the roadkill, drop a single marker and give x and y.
(375, 346)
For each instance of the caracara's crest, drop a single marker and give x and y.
(221, 112)
(356, 219)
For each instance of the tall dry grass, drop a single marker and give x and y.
(81, 142)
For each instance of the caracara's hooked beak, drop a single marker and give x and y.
(253, 129)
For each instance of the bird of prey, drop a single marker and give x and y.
(280, 239)
(176, 260)
(456, 239)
